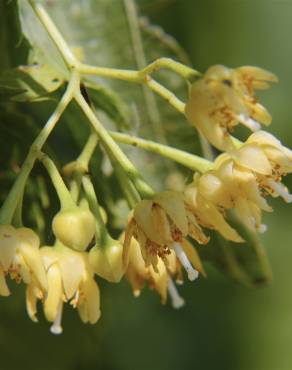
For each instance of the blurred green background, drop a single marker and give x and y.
(223, 325)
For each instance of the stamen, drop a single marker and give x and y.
(177, 300)
(192, 273)
(249, 122)
(262, 228)
(56, 328)
(281, 190)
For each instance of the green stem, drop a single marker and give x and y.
(191, 161)
(79, 167)
(127, 186)
(113, 149)
(134, 76)
(74, 186)
(179, 68)
(17, 219)
(101, 229)
(88, 150)
(63, 193)
(166, 94)
(141, 76)
(9, 206)
(119, 74)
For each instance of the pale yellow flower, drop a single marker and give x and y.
(70, 279)
(225, 97)
(234, 187)
(20, 258)
(269, 160)
(160, 279)
(207, 211)
(241, 178)
(161, 224)
(107, 260)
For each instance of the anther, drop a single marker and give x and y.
(56, 328)
(192, 273)
(249, 122)
(177, 300)
(280, 189)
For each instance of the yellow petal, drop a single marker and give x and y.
(29, 236)
(242, 207)
(72, 268)
(171, 262)
(214, 218)
(159, 280)
(212, 188)
(162, 226)
(173, 204)
(249, 188)
(89, 309)
(257, 74)
(195, 231)
(4, 291)
(8, 244)
(215, 134)
(143, 215)
(32, 258)
(55, 291)
(31, 302)
(107, 261)
(22, 268)
(193, 256)
(260, 114)
(254, 158)
(49, 256)
(136, 260)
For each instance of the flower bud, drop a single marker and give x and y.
(107, 261)
(75, 228)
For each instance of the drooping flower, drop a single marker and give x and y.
(233, 187)
(269, 160)
(167, 269)
(224, 97)
(208, 212)
(20, 258)
(107, 260)
(70, 279)
(241, 178)
(160, 225)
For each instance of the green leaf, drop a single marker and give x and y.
(14, 47)
(9, 91)
(111, 103)
(29, 83)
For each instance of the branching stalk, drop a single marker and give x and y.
(191, 161)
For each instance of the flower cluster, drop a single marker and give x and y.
(164, 230)
(243, 178)
(225, 97)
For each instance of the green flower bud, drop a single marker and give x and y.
(75, 228)
(107, 262)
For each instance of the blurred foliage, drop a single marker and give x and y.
(223, 324)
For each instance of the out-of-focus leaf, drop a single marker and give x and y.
(111, 103)
(39, 39)
(246, 263)
(7, 92)
(13, 46)
(29, 83)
